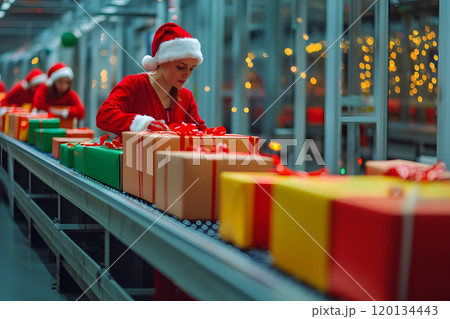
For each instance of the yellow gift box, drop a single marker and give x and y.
(301, 220)
(245, 207)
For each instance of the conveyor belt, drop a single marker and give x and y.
(188, 252)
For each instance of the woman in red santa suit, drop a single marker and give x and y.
(140, 99)
(23, 92)
(57, 96)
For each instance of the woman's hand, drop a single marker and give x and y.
(158, 125)
(60, 111)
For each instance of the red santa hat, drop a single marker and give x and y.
(36, 76)
(170, 43)
(57, 71)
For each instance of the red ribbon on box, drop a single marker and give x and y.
(283, 170)
(407, 172)
(115, 144)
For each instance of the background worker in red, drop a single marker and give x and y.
(2, 85)
(2, 90)
(140, 99)
(23, 92)
(57, 96)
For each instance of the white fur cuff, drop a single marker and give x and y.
(141, 122)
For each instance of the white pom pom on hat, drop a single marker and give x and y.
(170, 43)
(149, 63)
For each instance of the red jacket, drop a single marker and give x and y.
(17, 96)
(2, 87)
(42, 102)
(133, 103)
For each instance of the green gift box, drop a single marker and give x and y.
(44, 138)
(78, 159)
(42, 123)
(104, 165)
(66, 153)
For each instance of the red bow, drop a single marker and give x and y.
(436, 172)
(220, 130)
(283, 170)
(115, 144)
(185, 129)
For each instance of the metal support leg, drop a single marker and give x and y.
(11, 184)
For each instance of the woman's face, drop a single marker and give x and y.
(63, 84)
(177, 72)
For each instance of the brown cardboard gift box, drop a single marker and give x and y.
(188, 184)
(139, 151)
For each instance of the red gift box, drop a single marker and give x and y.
(391, 252)
(80, 133)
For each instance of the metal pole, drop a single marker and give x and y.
(353, 136)
(300, 86)
(443, 115)
(272, 83)
(333, 132)
(83, 79)
(381, 77)
(218, 32)
(162, 11)
(239, 119)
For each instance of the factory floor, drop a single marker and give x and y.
(25, 272)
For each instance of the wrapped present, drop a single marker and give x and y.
(40, 123)
(66, 152)
(140, 148)
(103, 164)
(65, 122)
(407, 170)
(4, 112)
(19, 122)
(44, 138)
(80, 133)
(394, 248)
(57, 141)
(198, 173)
(245, 207)
(300, 236)
(78, 158)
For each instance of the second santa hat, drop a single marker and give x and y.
(57, 71)
(35, 76)
(170, 43)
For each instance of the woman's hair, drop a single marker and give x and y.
(174, 94)
(53, 93)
